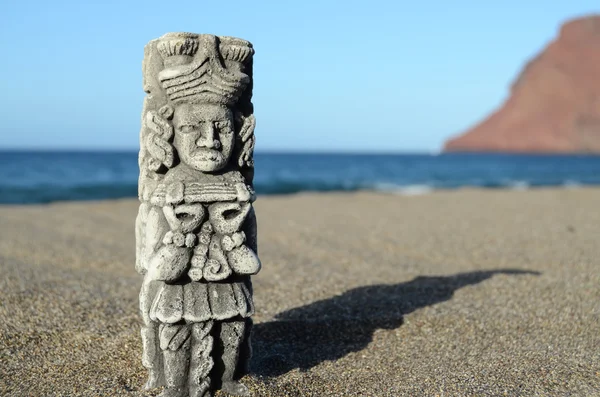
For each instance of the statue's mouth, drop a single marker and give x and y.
(203, 154)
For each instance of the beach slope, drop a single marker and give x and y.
(467, 292)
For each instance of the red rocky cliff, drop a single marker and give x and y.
(554, 104)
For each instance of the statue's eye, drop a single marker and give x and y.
(224, 127)
(186, 129)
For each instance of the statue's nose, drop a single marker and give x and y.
(207, 137)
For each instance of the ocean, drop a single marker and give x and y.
(30, 177)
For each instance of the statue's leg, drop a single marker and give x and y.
(175, 343)
(150, 358)
(201, 362)
(232, 335)
(243, 366)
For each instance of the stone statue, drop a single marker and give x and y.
(196, 229)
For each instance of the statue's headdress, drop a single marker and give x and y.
(203, 68)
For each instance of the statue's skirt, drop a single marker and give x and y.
(195, 302)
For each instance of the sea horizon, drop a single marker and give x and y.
(34, 176)
(317, 151)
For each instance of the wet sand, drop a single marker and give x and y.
(460, 293)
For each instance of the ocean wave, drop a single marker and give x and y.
(44, 194)
(572, 184)
(404, 190)
(519, 185)
(44, 177)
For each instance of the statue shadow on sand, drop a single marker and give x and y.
(331, 328)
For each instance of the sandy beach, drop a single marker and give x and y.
(457, 293)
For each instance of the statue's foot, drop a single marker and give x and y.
(174, 392)
(152, 382)
(200, 390)
(235, 388)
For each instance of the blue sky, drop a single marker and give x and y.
(374, 75)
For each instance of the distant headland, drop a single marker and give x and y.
(554, 104)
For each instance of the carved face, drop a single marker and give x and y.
(204, 135)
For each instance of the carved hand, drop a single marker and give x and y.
(169, 263)
(172, 260)
(240, 257)
(243, 260)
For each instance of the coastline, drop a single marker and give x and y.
(376, 189)
(37, 178)
(462, 292)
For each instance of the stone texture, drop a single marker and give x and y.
(554, 105)
(196, 229)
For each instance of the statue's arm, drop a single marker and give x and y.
(140, 228)
(236, 224)
(250, 229)
(165, 258)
